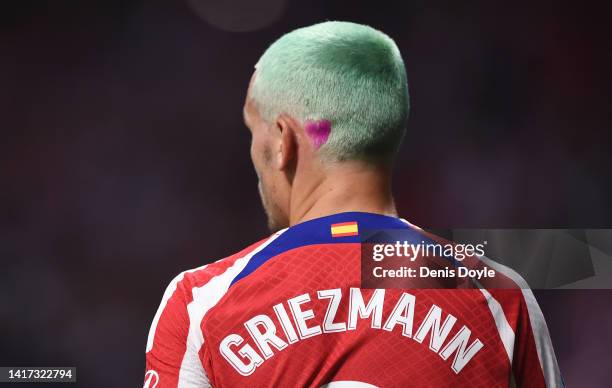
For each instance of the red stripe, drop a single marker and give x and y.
(526, 364)
(345, 224)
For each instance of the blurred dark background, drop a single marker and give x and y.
(124, 160)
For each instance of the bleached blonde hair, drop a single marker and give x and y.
(349, 74)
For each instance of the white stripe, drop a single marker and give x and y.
(192, 373)
(546, 353)
(167, 295)
(506, 334)
(411, 225)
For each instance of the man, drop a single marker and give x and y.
(326, 108)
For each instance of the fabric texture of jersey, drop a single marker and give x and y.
(290, 311)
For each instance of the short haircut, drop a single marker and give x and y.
(349, 74)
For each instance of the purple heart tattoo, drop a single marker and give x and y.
(318, 131)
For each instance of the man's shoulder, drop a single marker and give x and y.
(197, 277)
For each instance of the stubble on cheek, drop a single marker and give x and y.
(267, 192)
(270, 208)
(267, 155)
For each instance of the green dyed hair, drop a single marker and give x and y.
(347, 73)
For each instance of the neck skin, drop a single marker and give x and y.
(345, 187)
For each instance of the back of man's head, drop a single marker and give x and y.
(345, 80)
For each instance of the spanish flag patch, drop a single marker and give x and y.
(344, 229)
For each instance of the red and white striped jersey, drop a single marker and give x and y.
(290, 311)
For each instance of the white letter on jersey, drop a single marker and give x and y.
(151, 379)
(334, 297)
(357, 306)
(432, 323)
(463, 355)
(403, 313)
(300, 317)
(283, 318)
(246, 351)
(265, 338)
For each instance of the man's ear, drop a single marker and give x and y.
(287, 150)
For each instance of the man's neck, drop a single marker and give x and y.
(345, 188)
